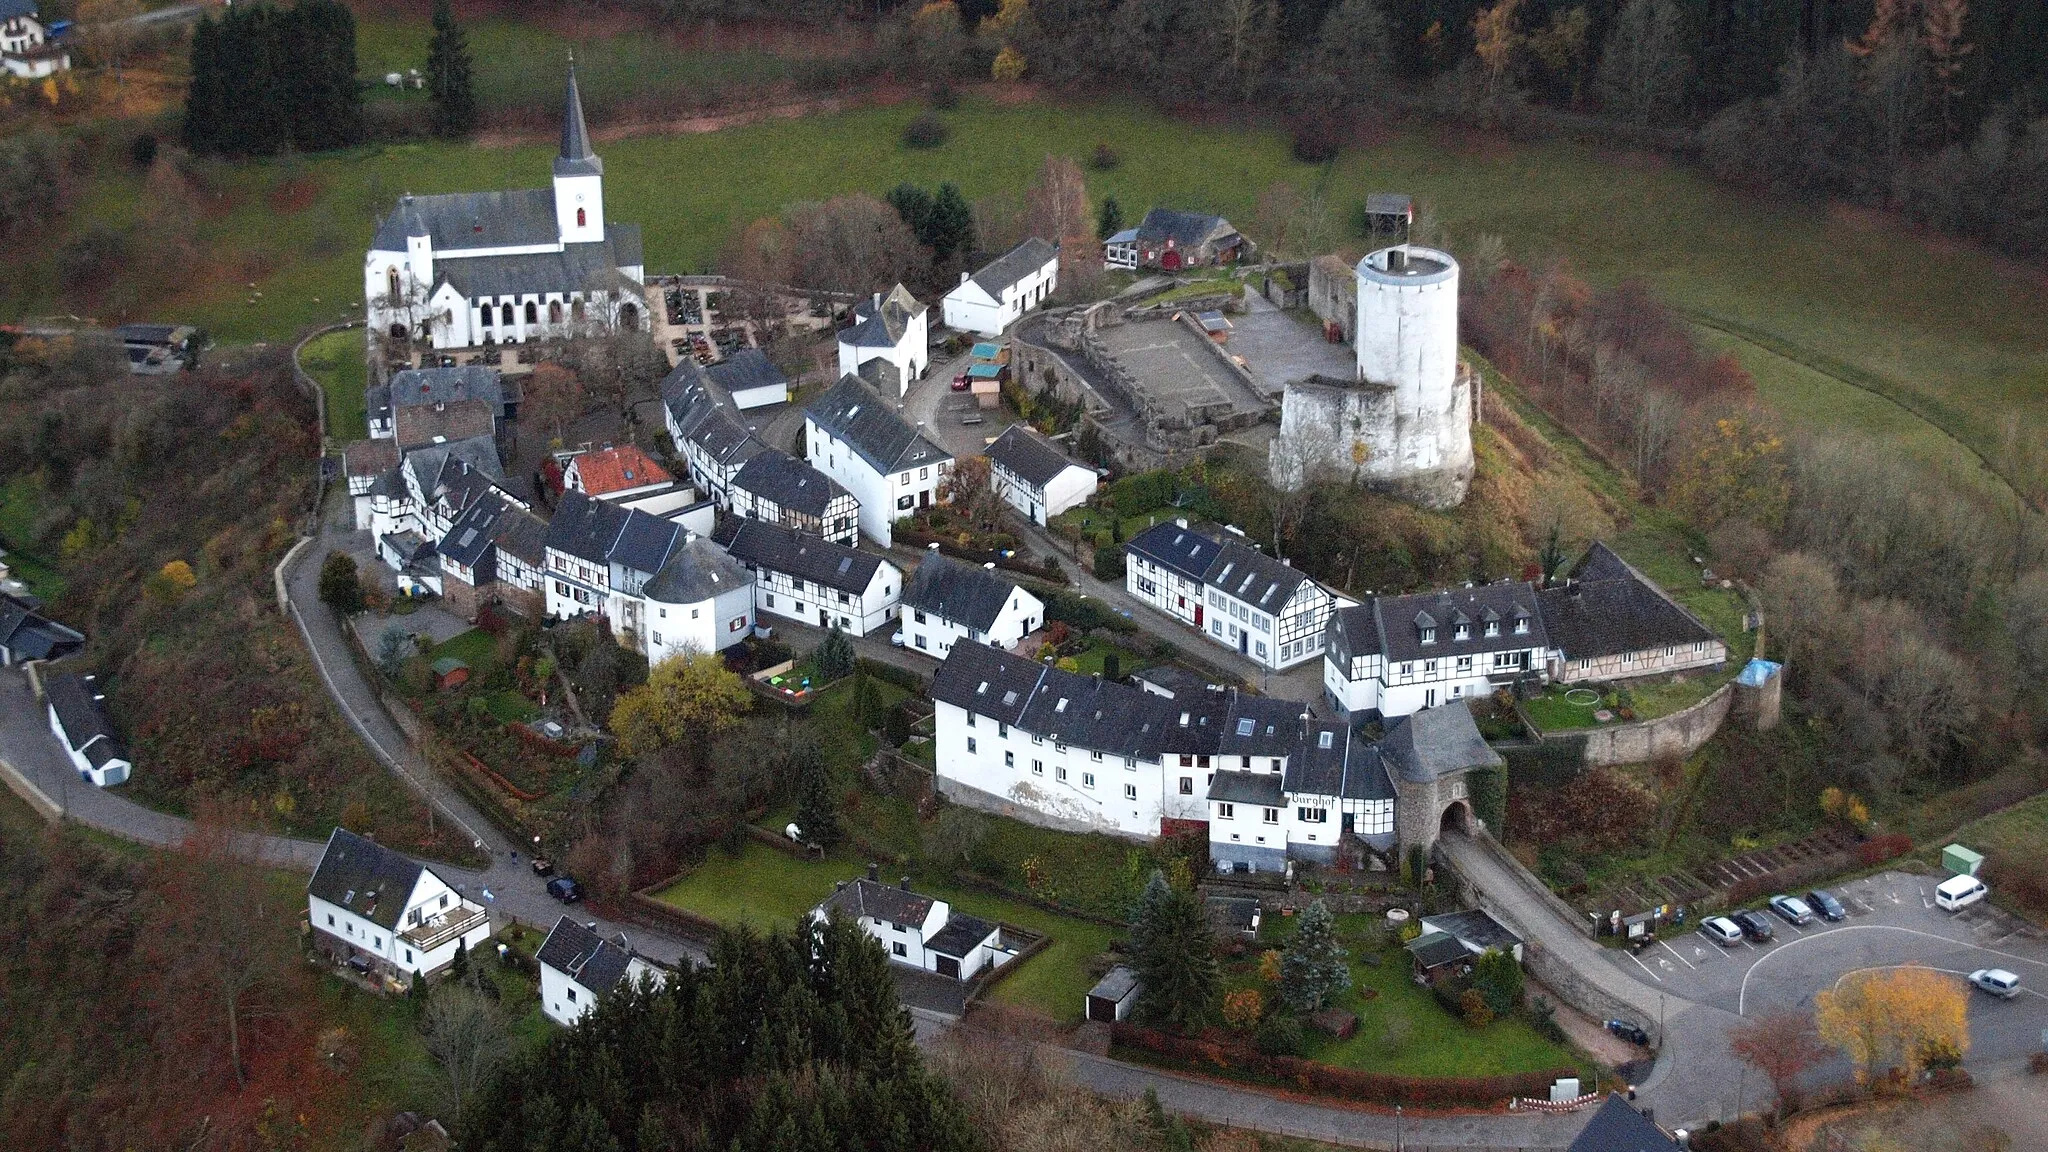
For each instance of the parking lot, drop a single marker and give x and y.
(1892, 921)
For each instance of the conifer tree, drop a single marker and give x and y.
(1174, 956)
(952, 223)
(817, 809)
(1315, 967)
(1109, 220)
(449, 80)
(205, 96)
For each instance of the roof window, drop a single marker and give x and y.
(1324, 739)
(1245, 726)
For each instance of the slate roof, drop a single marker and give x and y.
(473, 534)
(1315, 770)
(1099, 715)
(1260, 788)
(423, 424)
(1116, 984)
(370, 457)
(746, 369)
(760, 544)
(1435, 742)
(960, 935)
(852, 412)
(438, 385)
(575, 157)
(29, 635)
(883, 327)
(1398, 621)
(575, 268)
(1614, 609)
(1389, 203)
(1175, 547)
(457, 220)
(1254, 577)
(704, 420)
(1365, 777)
(1003, 273)
(618, 469)
(1030, 457)
(1236, 913)
(1436, 949)
(1352, 632)
(1474, 926)
(696, 572)
(879, 900)
(586, 528)
(1185, 229)
(83, 719)
(1618, 1127)
(365, 877)
(962, 593)
(788, 482)
(585, 957)
(14, 9)
(1260, 726)
(466, 468)
(524, 535)
(646, 542)
(988, 681)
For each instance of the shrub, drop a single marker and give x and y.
(1278, 1034)
(1882, 848)
(1243, 1008)
(142, 151)
(926, 131)
(1109, 564)
(1474, 1008)
(1331, 1080)
(1105, 158)
(943, 96)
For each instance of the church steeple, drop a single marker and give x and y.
(576, 158)
(579, 174)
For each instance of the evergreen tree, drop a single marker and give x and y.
(1109, 220)
(1315, 967)
(1145, 911)
(449, 82)
(835, 657)
(952, 224)
(1176, 961)
(458, 968)
(323, 103)
(1499, 980)
(1643, 65)
(340, 589)
(206, 95)
(817, 808)
(914, 205)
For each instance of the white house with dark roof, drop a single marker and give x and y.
(578, 968)
(987, 301)
(1033, 476)
(781, 489)
(918, 931)
(895, 328)
(1618, 1127)
(749, 378)
(412, 507)
(701, 601)
(1608, 621)
(386, 913)
(600, 558)
(494, 553)
(1264, 609)
(477, 268)
(80, 724)
(26, 634)
(948, 601)
(799, 577)
(706, 429)
(26, 50)
(854, 436)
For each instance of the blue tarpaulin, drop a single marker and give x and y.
(1757, 673)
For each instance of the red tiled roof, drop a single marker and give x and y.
(618, 469)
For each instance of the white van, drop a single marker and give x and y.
(1959, 892)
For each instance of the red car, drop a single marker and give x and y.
(960, 382)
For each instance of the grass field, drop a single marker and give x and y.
(20, 505)
(336, 360)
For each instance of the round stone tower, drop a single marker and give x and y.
(1405, 424)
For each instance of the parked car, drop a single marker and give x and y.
(960, 382)
(896, 639)
(1959, 892)
(1792, 910)
(1754, 925)
(565, 889)
(1721, 930)
(1629, 1031)
(1996, 981)
(1826, 905)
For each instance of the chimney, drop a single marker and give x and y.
(965, 277)
(1397, 260)
(875, 872)
(878, 301)
(904, 883)
(839, 886)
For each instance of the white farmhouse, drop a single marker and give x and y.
(749, 377)
(80, 724)
(947, 601)
(992, 299)
(26, 51)
(918, 931)
(802, 578)
(1398, 654)
(412, 507)
(1035, 477)
(781, 489)
(495, 553)
(1265, 609)
(704, 424)
(468, 269)
(386, 914)
(578, 968)
(893, 328)
(855, 437)
(701, 601)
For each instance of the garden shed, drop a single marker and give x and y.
(1112, 998)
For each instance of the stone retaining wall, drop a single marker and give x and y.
(1678, 735)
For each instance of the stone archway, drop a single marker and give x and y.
(1457, 817)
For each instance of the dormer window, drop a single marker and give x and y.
(1324, 739)
(1464, 632)
(1493, 627)
(1521, 625)
(1429, 635)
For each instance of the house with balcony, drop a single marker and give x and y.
(387, 915)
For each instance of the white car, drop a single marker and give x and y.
(1721, 930)
(1996, 981)
(896, 639)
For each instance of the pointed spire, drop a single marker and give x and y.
(576, 157)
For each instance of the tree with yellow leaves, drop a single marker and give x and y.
(1895, 1020)
(1009, 65)
(1734, 470)
(687, 700)
(1498, 44)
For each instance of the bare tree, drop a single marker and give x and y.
(1056, 207)
(1643, 66)
(851, 244)
(970, 489)
(1250, 33)
(1783, 1046)
(466, 1034)
(554, 398)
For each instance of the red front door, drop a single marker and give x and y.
(1198, 615)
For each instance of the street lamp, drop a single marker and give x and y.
(1400, 1129)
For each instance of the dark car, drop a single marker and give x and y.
(1826, 905)
(1754, 925)
(1629, 1031)
(565, 889)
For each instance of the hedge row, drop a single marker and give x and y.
(1081, 612)
(1329, 1080)
(1879, 849)
(903, 678)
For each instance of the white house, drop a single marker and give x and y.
(749, 378)
(578, 968)
(600, 556)
(468, 269)
(26, 50)
(948, 601)
(855, 437)
(705, 427)
(781, 489)
(80, 724)
(1264, 609)
(619, 473)
(990, 300)
(918, 931)
(436, 388)
(894, 328)
(701, 601)
(386, 913)
(412, 507)
(800, 577)
(1035, 477)
(26, 635)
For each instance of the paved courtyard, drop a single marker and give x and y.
(1176, 367)
(1281, 347)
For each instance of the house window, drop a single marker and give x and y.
(1002, 730)
(1087, 779)
(1060, 774)
(898, 948)
(1408, 669)
(970, 743)
(572, 995)
(1429, 635)
(1313, 815)
(1429, 667)
(408, 955)
(1187, 785)
(924, 473)
(1226, 811)
(1521, 625)
(554, 311)
(330, 919)
(1464, 632)
(391, 284)
(1038, 767)
(1270, 816)
(770, 598)
(970, 719)
(657, 639)
(1493, 627)
(505, 315)
(1009, 759)
(1130, 791)
(1464, 663)
(1095, 756)
(917, 614)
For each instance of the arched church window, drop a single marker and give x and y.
(391, 281)
(581, 218)
(532, 313)
(505, 313)
(554, 311)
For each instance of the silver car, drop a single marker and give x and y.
(1996, 981)
(1721, 930)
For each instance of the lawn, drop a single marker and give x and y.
(20, 507)
(337, 361)
(768, 889)
(1964, 336)
(476, 648)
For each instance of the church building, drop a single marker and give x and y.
(472, 269)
